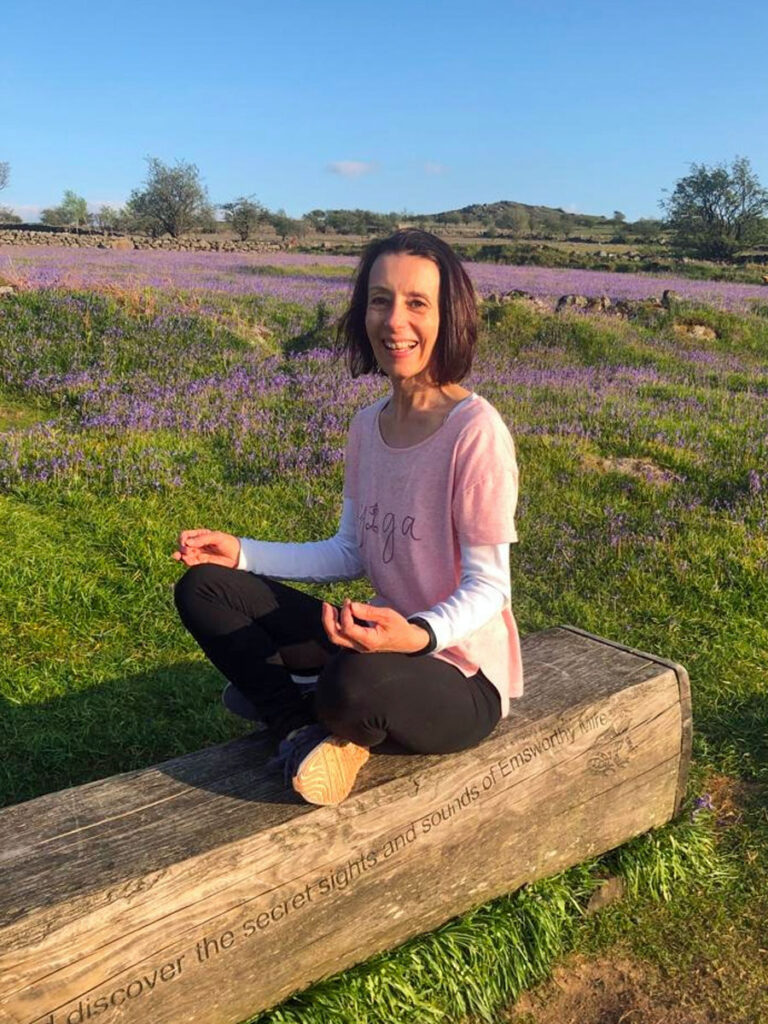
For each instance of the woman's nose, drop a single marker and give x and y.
(396, 313)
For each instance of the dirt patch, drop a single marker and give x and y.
(609, 991)
(727, 797)
(15, 416)
(642, 468)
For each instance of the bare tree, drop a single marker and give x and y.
(5, 174)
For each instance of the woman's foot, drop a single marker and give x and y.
(322, 768)
(237, 703)
(234, 700)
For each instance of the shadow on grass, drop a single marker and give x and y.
(126, 723)
(741, 732)
(148, 720)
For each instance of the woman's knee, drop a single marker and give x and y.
(187, 589)
(338, 685)
(202, 586)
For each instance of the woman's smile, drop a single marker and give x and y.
(400, 347)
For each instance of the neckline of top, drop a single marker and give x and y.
(410, 447)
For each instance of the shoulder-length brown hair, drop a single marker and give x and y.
(457, 334)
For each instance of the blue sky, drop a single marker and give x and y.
(589, 105)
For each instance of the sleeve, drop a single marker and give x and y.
(484, 496)
(483, 590)
(352, 456)
(322, 561)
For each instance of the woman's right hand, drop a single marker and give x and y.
(198, 547)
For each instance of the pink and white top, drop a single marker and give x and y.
(415, 508)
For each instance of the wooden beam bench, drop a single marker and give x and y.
(200, 890)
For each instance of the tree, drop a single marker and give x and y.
(7, 216)
(715, 211)
(71, 212)
(109, 219)
(516, 220)
(173, 199)
(317, 221)
(285, 225)
(646, 229)
(619, 217)
(244, 215)
(552, 222)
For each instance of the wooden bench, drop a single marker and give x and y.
(200, 890)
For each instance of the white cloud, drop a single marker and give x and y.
(351, 168)
(431, 167)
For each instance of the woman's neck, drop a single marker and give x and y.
(413, 400)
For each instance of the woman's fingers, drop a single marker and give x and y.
(330, 622)
(196, 547)
(331, 625)
(362, 637)
(369, 612)
(190, 557)
(196, 538)
(346, 618)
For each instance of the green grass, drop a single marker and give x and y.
(99, 677)
(333, 271)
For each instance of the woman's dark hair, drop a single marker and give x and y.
(457, 334)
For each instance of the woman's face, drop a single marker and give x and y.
(402, 317)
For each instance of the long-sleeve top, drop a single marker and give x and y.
(430, 526)
(484, 585)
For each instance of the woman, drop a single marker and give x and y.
(429, 665)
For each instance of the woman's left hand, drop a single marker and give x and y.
(388, 629)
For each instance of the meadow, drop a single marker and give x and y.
(141, 393)
(319, 277)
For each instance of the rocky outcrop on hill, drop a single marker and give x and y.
(622, 309)
(518, 295)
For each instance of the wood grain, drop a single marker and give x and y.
(200, 890)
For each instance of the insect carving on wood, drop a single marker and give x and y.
(134, 887)
(615, 747)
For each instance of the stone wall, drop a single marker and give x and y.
(189, 243)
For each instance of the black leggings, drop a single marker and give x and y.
(422, 705)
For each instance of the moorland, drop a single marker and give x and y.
(144, 392)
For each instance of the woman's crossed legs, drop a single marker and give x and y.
(257, 631)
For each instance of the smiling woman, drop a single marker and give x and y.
(430, 663)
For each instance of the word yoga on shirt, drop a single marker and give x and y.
(372, 519)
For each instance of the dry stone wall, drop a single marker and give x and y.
(10, 236)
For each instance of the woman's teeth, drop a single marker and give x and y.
(399, 346)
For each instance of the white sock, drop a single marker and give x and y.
(304, 680)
